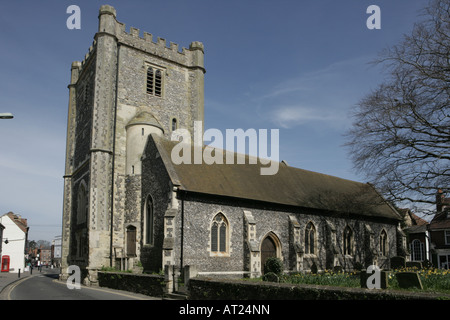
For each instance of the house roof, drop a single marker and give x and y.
(417, 229)
(414, 223)
(289, 186)
(418, 221)
(441, 220)
(19, 221)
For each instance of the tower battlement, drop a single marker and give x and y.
(89, 54)
(191, 57)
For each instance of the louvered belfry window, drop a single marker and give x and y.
(154, 81)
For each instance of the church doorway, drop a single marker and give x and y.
(268, 249)
(131, 241)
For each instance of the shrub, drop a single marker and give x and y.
(274, 265)
(270, 276)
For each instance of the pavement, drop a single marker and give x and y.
(7, 278)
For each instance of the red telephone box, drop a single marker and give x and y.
(5, 263)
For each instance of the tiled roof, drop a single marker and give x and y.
(289, 186)
(19, 221)
(441, 220)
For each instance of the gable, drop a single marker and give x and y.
(13, 224)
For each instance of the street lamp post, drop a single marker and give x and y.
(6, 116)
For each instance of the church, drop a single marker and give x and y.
(128, 205)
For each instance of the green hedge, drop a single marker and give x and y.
(148, 284)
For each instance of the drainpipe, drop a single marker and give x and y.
(174, 205)
(182, 235)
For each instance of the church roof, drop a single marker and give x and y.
(289, 186)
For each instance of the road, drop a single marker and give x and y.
(45, 286)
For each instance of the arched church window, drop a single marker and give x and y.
(310, 238)
(148, 221)
(383, 243)
(82, 204)
(348, 241)
(219, 234)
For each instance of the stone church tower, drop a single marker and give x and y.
(126, 88)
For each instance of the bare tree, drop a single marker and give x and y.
(400, 137)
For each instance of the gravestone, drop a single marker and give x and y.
(409, 280)
(398, 262)
(338, 269)
(314, 268)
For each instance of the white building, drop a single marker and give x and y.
(14, 239)
(56, 251)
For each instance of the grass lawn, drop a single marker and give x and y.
(433, 280)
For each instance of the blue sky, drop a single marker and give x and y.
(293, 65)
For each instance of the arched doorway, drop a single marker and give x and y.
(131, 241)
(268, 249)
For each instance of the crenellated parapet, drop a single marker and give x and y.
(79, 66)
(191, 57)
(89, 54)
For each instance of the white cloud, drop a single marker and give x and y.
(324, 95)
(288, 116)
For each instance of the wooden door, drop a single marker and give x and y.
(268, 249)
(131, 241)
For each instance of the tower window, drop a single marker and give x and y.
(154, 81)
(158, 83)
(148, 222)
(174, 124)
(83, 205)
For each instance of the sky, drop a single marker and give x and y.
(298, 66)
